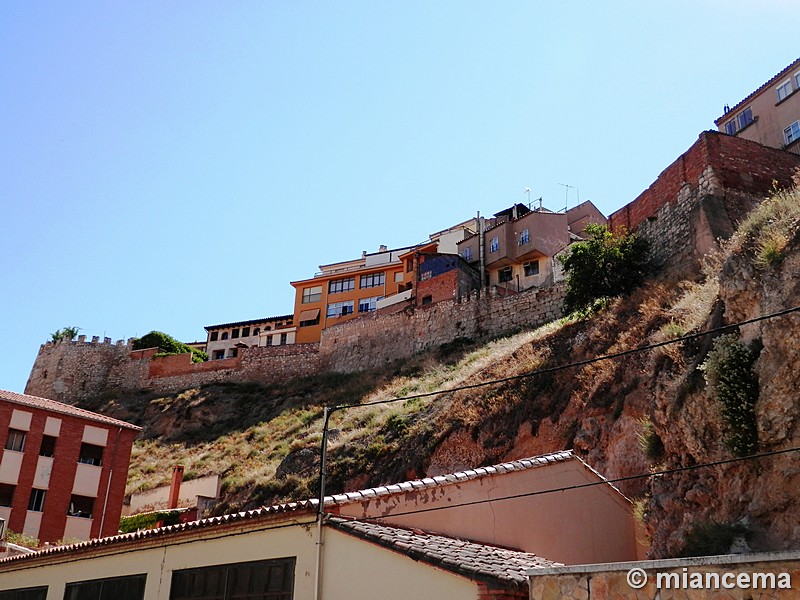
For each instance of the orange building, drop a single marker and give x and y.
(344, 290)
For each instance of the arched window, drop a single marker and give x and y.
(224, 335)
(256, 331)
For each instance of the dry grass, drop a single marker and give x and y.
(768, 228)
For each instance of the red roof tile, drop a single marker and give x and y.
(64, 409)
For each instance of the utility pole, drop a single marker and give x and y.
(323, 459)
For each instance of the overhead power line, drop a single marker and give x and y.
(580, 363)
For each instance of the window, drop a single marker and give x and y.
(259, 580)
(531, 268)
(36, 502)
(790, 134)
(524, 237)
(284, 339)
(91, 454)
(6, 494)
(214, 336)
(234, 333)
(312, 294)
(398, 277)
(745, 118)
(224, 335)
(373, 280)
(784, 89)
(219, 354)
(504, 275)
(494, 245)
(37, 593)
(341, 285)
(80, 506)
(245, 332)
(48, 447)
(256, 331)
(368, 304)
(797, 81)
(466, 254)
(340, 309)
(409, 265)
(730, 127)
(309, 317)
(233, 352)
(16, 440)
(112, 588)
(427, 300)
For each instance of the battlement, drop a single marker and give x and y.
(95, 340)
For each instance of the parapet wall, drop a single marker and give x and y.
(375, 340)
(701, 196)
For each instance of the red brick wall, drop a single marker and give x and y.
(65, 464)
(441, 287)
(739, 165)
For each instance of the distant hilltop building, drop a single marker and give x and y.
(63, 469)
(771, 114)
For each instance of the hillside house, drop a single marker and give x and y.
(63, 469)
(447, 537)
(518, 247)
(225, 340)
(770, 115)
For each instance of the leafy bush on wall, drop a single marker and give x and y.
(158, 339)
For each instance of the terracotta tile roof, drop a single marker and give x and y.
(477, 561)
(64, 409)
(307, 506)
(440, 480)
(126, 539)
(774, 79)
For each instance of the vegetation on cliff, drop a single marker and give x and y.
(168, 345)
(651, 410)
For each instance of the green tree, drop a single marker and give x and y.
(605, 265)
(167, 343)
(65, 333)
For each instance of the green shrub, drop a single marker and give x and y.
(148, 520)
(729, 373)
(650, 442)
(22, 539)
(712, 538)
(158, 339)
(65, 333)
(605, 265)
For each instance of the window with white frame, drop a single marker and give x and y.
(524, 237)
(466, 254)
(372, 280)
(494, 244)
(340, 309)
(36, 502)
(792, 132)
(797, 80)
(16, 440)
(504, 274)
(784, 89)
(745, 117)
(531, 268)
(337, 286)
(368, 304)
(730, 127)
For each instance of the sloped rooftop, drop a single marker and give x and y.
(480, 562)
(64, 409)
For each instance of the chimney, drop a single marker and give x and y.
(175, 486)
(382, 248)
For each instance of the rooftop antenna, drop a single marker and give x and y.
(528, 191)
(566, 194)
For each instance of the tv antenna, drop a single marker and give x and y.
(566, 194)
(527, 190)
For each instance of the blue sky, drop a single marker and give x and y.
(170, 165)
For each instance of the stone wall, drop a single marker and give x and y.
(677, 579)
(701, 196)
(375, 340)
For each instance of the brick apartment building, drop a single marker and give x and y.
(63, 469)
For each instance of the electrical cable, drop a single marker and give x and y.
(580, 363)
